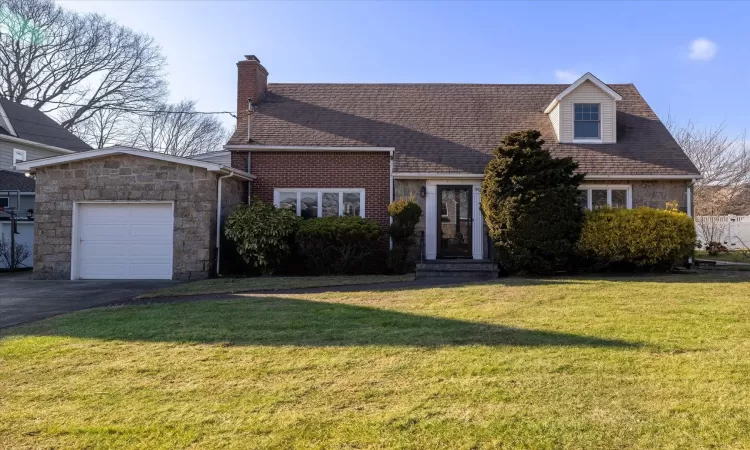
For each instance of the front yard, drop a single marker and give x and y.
(585, 362)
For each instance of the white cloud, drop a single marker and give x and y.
(566, 76)
(703, 50)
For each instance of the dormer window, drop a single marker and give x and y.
(587, 121)
(585, 112)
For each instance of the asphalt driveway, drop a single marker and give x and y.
(25, 300)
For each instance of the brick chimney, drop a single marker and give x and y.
(252, 81)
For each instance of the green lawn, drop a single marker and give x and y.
(233, 285)
(733, 256)
(650, 362)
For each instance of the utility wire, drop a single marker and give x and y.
(146, 111)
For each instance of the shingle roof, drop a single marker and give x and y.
(447, 128)
(34, 125)
(14, 181)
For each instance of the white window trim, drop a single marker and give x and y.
(321, 191)
(586, 140)
(19, 156)
(609, 188)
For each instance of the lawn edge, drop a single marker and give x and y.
(156, 294)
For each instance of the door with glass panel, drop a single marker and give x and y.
(454, 221)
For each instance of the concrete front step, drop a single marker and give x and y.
(456, 273)
(457, 268)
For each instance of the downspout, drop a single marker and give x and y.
(218, 221)
(689, 208)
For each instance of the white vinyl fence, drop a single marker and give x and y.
(732, 231)
(26, 230)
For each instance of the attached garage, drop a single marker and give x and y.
(123, 241)
(123, 213)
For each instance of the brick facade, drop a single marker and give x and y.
(130, 178)
(367, 170)
(252, 82)
(239, 161)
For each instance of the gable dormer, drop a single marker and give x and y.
(585, 112)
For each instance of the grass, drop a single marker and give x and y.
(638, 362)
(732, 256)
(234, 285)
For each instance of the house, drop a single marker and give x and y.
(26, 134)
(306, 143)
(340, 149)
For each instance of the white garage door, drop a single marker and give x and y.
(124, 240)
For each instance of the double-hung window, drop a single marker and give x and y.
(309, 203)
(596, 197)
(587, 121)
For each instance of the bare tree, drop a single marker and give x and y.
(13, 256)
(178, 130)
(77, 64)
(723, 161)
(105, 128)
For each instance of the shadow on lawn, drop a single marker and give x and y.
(278, 321)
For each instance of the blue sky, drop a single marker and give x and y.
(688, 59)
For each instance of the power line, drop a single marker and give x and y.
(145, 111)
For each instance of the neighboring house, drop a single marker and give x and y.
(26, 134)
(340, 149)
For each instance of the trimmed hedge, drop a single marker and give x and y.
(263, 234)
(638, 237)
(405, 214)
(332, 245)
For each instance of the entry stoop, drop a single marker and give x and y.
(475, 268)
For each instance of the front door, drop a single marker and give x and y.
(454, 221)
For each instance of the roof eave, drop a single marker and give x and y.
(32, 166)
(588, 76)
(17, 140)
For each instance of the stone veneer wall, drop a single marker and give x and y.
(129, 178)
(405, 189)
(654, 193)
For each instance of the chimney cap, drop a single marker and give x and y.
(252, 58)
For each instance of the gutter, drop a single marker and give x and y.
(218, 221)
(305, 148)
(16, 140)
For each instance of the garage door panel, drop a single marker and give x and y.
(151, 213)
(102, 269)
(125, 241)
(106, 232)
(151, 250)
(93, 213)
(150, 231)
(90, 249)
